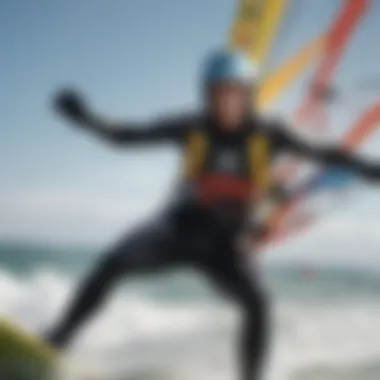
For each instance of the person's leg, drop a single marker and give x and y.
(148, 248)
(254, 339)
(232, 277)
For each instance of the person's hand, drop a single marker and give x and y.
(71, 104)
(279, 193)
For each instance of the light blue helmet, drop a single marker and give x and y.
(228, 65)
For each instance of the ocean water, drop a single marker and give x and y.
(326, 321)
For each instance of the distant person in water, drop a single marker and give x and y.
(227, 149)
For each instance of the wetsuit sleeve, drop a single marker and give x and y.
(330, 155)
(164, 130)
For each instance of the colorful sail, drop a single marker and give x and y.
(311, 111)
(254, 30)
(337, 39)
(366, 124)
(253, 34)
(284, 75)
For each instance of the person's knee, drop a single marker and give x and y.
(257, 303)
(121, 258)
(109, 267)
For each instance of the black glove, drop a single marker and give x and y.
(71, 105)
(259, 232)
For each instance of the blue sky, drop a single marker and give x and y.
(133, 59)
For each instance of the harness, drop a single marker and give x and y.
(257, 155)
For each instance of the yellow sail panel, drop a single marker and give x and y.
(283, 76)
(255, 26)
(271, 17)
(246, 27)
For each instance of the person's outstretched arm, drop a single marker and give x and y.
(73, 108)
(329, 155)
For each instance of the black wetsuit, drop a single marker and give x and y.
(191, 234)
